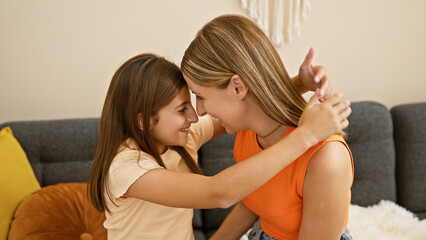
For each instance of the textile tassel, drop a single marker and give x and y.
(290, 21)
(266, 17)
(277, 31)
(244, 4)
(296, 10)
(306, 7)
(260, 13)
(253, 12)
(297, 18)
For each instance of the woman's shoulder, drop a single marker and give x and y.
(332, 159)
(334, 141)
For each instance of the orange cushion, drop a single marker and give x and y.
(61, 211)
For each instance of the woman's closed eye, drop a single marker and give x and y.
(199, 98)
(183, 110)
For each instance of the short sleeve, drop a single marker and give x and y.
(201, 132)
(126, 168)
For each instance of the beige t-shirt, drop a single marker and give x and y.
(137, 219)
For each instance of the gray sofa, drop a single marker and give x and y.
(389, 149)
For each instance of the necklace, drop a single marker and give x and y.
(267, 135)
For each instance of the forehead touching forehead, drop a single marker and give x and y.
(181, 98)
(194, 87)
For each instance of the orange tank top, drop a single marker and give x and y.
(279, 202)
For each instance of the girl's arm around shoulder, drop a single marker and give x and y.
(326, 192)
(188, 190)
(177, 189)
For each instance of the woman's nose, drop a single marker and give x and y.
(192, 116)
(200, 109)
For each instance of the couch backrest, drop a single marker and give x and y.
(58, 150)
(410, 143)
(370, 138)
(62, 151)
(214, 156)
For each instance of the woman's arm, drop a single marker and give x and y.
(238, 222)
(326, 193)
(177, 189)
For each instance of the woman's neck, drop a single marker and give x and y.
(265, 142)
(268, 131)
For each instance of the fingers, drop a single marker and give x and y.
(320, 73)
(323, 81)
(335, 99)
(342, 110)
(344, 124)
(309, 57)
(344, 114)
(314, 100)
(342, 106)
(320, 95)
(347, 113)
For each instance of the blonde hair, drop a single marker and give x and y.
(233, 44)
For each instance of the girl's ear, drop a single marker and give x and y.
(140, 121)
(152, 122)
(238, 87)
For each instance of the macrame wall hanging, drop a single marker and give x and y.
(284, 20)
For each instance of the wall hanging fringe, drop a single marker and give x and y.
(285, 18)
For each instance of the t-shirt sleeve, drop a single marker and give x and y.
(201, 131)
(126, 168)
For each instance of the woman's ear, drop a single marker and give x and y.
(238, 87)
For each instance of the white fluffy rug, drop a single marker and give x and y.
(386, 221)
(383, 221)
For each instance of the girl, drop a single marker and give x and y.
(239, 78)
(145, 173)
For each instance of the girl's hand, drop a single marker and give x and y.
(321, 120)
(314, 78)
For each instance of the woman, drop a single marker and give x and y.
(239, 78)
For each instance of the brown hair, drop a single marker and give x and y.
(144, 84)
(233, 44)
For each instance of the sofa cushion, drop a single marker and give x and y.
(410, 144)
(61, 211)
(17, 179)
(58, 150)
(370, 139)
(216, 155)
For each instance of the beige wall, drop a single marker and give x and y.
(57, 57)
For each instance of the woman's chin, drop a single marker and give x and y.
(229, 130)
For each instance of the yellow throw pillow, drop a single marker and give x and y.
(17, 179)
